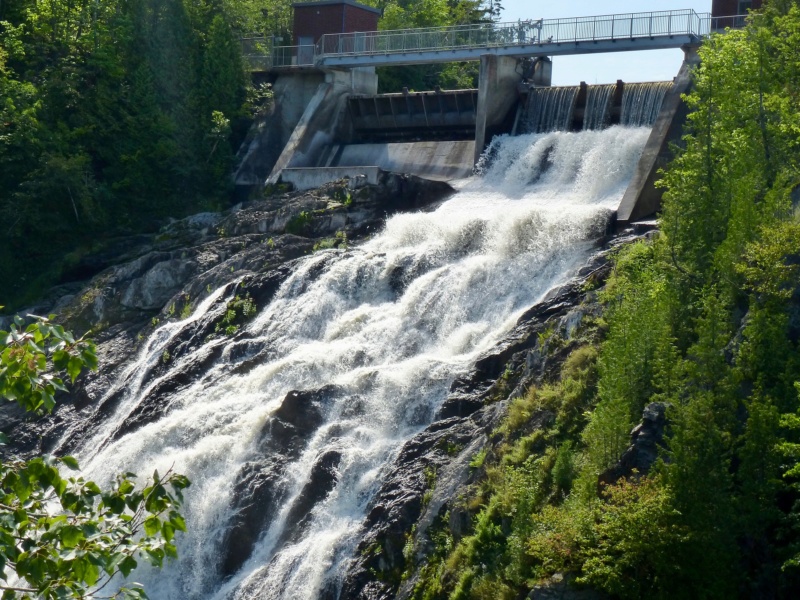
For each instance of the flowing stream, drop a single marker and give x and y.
(390, 323)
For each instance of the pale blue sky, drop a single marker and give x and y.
(653, 65)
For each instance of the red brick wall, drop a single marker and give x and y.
(316, 21)
(724, 8)
(357, 19)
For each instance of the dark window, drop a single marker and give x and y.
(745, 6)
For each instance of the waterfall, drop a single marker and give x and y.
(387, 325)
(641, 103)
(549, 109)
(598, 98)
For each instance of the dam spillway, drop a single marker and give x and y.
(432, 134)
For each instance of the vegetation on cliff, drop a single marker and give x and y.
(704, 320)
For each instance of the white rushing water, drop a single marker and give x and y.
(472, 267)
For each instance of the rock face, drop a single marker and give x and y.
(561, 587)
(258, 492)
(146, 280)
(646, 440)
(247, 253)
(142, 276)
(406, 506)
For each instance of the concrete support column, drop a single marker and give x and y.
(642, 199)
(497, 95)
(316, 128)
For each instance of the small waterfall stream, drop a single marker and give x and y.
(389, 324)
(642, 102)
(550, 109)
(597, 104)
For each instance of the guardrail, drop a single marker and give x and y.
(541, 31)
(260, 53)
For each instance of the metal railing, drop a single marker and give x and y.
(260, 53)
(521, 33)
(257, 52)
(720, 24)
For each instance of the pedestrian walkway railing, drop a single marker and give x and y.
(678, 24)
(540, 31)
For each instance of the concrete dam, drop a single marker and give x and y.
(329, 122)
(348, 130)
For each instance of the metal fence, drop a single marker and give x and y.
(541, 31)
(260, 52)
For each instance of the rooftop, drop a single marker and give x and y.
(336, 2)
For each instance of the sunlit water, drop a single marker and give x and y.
(471, 267)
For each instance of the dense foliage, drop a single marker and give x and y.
(703, 319)
(63, 536)
(110, 120)
(117, 114)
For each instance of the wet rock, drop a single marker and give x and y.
(324, 476)
(562, 587)
(260, 486)
(647, 438)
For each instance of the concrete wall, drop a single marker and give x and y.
(642, 199)
(497, 95)
(308, 179)
(317, 127)
(442, 161)
(271, 132)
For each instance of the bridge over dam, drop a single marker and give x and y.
(328, 121)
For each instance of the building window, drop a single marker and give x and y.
(745, 6)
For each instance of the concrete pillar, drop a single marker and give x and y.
(316, 128)
(642, 199)
(497, 95)
(543, 73)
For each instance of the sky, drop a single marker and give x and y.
(652, 65)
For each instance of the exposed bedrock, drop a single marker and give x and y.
(144, 281)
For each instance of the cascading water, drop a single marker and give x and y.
(550, 109)
(554, 108)
(598, 98)
(641, 103)
(389, 325)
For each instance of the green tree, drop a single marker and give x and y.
(62, 536)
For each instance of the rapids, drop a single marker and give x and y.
(390, 323)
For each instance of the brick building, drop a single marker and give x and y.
(724, 8)
(312, 20)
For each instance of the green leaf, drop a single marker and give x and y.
(74, 367)
(152, 525)
(71, 462)
(71, 536)
(127, 565)
(171, 550)
(177, 521)
(167, 530)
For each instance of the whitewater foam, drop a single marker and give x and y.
(391, 323)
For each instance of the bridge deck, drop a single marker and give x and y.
(541, 37)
